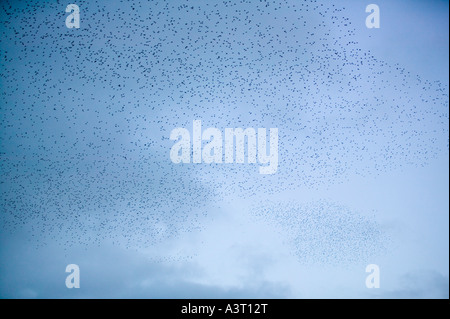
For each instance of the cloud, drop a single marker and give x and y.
(112, 272)
(425, 284)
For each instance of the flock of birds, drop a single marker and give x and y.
(325, 232)
(86, 116)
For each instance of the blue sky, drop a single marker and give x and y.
(86, 116)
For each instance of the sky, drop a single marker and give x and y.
(86, 177)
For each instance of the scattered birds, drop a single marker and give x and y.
(86, 115)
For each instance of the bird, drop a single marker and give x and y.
(86, 116)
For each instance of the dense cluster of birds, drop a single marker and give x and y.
(323, 231)
(86, 114)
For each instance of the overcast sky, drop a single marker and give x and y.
(86, 176)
